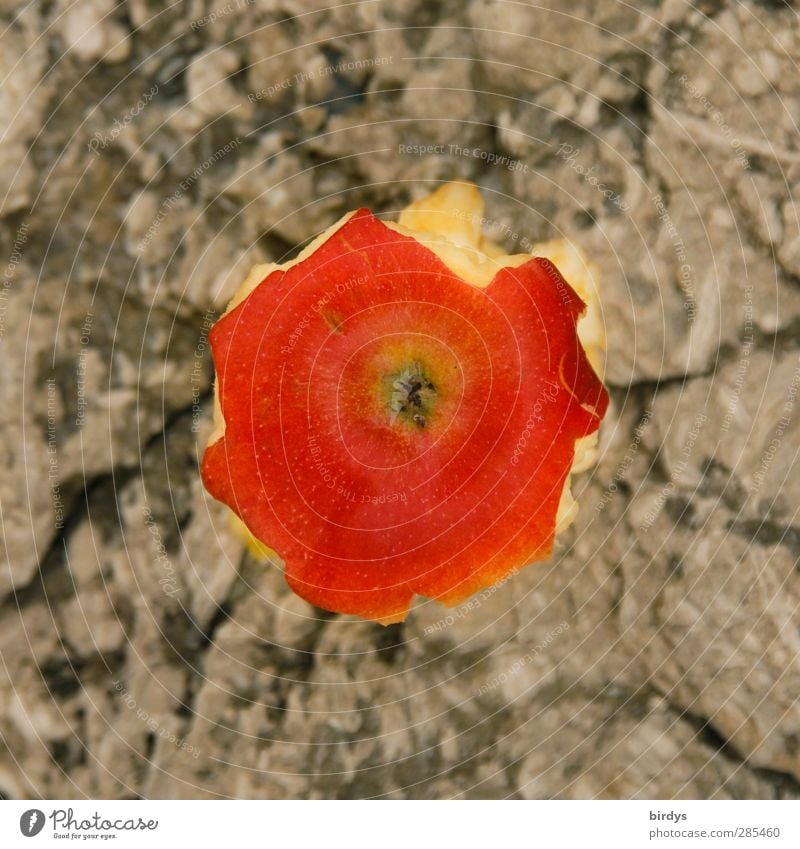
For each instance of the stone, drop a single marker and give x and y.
(145, 654)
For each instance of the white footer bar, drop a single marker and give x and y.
(402, 824)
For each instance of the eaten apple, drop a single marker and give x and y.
(398, 410)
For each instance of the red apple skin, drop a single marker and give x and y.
(366, 507)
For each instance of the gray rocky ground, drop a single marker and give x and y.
(143, 652)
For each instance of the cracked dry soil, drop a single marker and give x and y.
(150, 155)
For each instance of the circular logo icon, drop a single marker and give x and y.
(31, 822)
